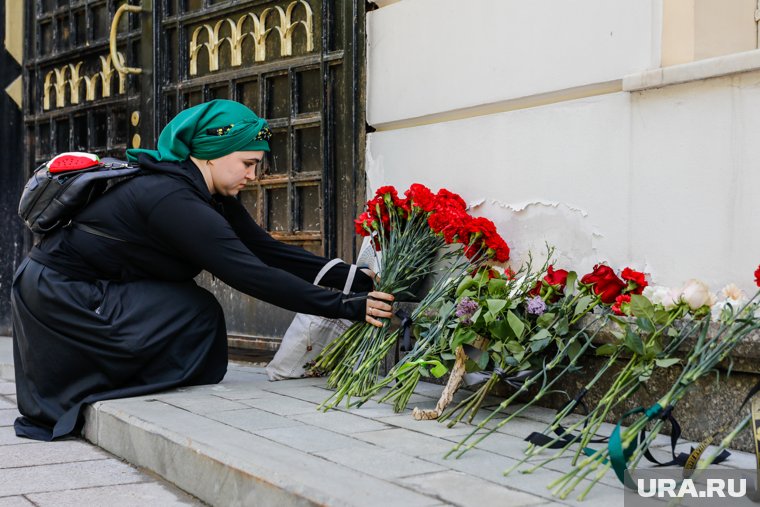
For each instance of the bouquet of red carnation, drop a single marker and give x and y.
(410, 232)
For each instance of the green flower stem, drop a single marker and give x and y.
(703, 359)
(725, 442)
(546, 385)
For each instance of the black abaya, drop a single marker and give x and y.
(97, 318)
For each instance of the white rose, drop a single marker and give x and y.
(696, 294)
(655, 293)
(672, 299)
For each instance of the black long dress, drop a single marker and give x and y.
(99, 318)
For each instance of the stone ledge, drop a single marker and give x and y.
(709, 68)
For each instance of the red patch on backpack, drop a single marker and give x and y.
(64, 163)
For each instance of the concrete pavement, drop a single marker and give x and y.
(71, 472)
(248, 441)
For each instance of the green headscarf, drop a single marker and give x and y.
(208, 131)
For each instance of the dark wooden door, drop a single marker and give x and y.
(298, 63)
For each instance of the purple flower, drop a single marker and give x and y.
(536, 305)
(465, 309)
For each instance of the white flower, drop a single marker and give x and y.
(664, 296)
(731, 291)
(696, 294)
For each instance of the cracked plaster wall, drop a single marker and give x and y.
(663, 180)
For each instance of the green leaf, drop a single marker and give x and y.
(562, 327)
(500, 330)
(515, 324)
(496, 346)
(462, 336)
(438, 370)
(539, 345)
(667, 362)
(633, 342)
(645, 324)
(582, 305)
(642, 307)
(661, 316)
(482, 361)
(545, 320)
(572, 277)
(515, 347)
(448, 356)
(495, 305)
(606, 350)
(464, 285)
(476, 315)
(541, 335)
(496, 286)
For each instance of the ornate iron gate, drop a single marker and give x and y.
(103, 77)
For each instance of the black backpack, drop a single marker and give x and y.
(51, 199)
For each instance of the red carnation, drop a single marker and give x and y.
(757, 276)
(447, 199)
(363, 223)
(500, 249)
(618, 308)
(448, 222)
(604, 282)
(636, 280)
(421, 197)
(388, 189)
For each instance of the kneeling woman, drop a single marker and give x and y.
(107, 308)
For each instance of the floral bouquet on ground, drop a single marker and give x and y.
(410, 232)
(552, 315)
(627, 445)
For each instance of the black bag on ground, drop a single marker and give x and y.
(60, 188)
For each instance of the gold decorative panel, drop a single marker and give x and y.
(255, 27)
(69, 76)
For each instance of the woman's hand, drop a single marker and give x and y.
(377, 307)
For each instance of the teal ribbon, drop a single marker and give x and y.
(618, 456)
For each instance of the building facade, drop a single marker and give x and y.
(619, 131)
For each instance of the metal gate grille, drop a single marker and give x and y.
(76, 98)
(100, 84)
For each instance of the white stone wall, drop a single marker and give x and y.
(665, 180)
(431, 56)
